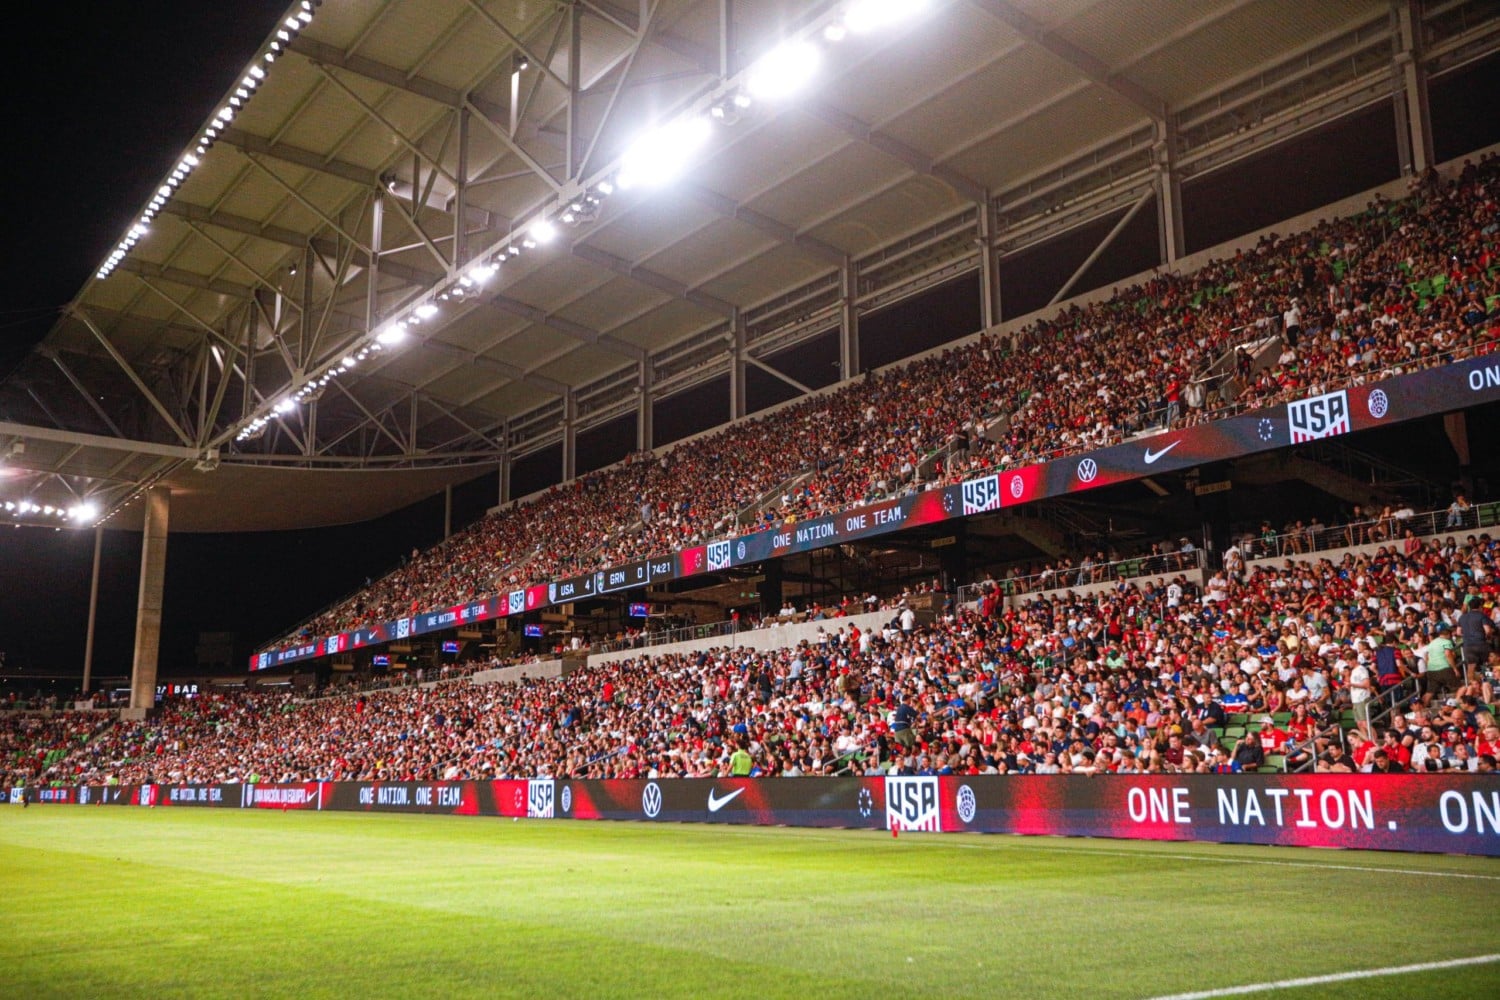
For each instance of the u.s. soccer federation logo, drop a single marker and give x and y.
(403, 628)
(966, 804)
(516, 602)
(1088, 470)
(1317, 417)
(1379, 404)
(551, 593)
(718, 556)
(981, 495)
(651, 800)
(566, 799)
(912, 804)
(599, 582)
(539, 798)
(262, 661)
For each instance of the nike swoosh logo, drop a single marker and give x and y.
(1152, 456)
(715, 804)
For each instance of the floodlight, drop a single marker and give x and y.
(427, 310)
(605, 188)
(393, 334)
(659, 156)
(784, 70)
(868, 15)
(543, 231)
(835, 32)
(349, 361)
(257, 72)
(285, 406)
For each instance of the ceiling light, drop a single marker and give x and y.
(427, 310)
(392, 334)
(349, 361)
(605, 188)
(658, 157)
(835, 32)
(784, 70)
(84, 512)
(480, 273)
(543, 231)
(285, 406)
(257, 72)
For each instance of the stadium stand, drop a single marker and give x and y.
(1403, 285)
(1330, 662)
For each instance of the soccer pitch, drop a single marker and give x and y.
(174, 902)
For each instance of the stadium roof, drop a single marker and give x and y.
(374, 155)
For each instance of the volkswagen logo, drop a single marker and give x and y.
(966, 804)
(1017, 487)
(567, 798)
(1379, 404)
(1088, 470)
(651, 800)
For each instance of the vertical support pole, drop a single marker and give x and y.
(575, 62)
(460, 196)
(306, 318)
(447, 512)
(726, 39)
(372, 263)
(1409, 84)
(849, 323)
(309, 445)
(736, 366)
(989, 266)
(1168, 186)
(88, 642)
(645, 432)
(570, 436)
(504, 497)
(158, 501)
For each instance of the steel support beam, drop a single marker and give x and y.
(651, 279)
(645, 432)
(513, 372)
(135, 379)
(47, 352)
(1409, 80)
(1104, 245)
(567, 327)
(893, 147)
(88, 642)
(780, 232)
(779, 374)
(570, 436)
(1168, 190)
(848, 321)
(989, 265)
(158, 501)
(1085, 63)
(737, 358)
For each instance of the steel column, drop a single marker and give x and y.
(570, 435)
(848, 321)
(989, 266)
(1409, 81)
(158, 501)
(737, 337)
(645, 433)
(88, 642)
(1168, 188)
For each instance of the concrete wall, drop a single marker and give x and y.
(544, 668)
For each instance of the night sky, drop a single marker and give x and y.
(105, 96)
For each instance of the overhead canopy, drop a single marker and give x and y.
(385, 150)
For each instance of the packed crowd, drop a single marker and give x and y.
(1140, 678)
(1403, 285)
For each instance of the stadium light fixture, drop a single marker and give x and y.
(349, 361)
(662, 155)
(543, 231)
(427, 310)
(784, 70)
(394, 333)
(84, 511)
(285, 406)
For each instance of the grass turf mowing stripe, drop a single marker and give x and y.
(129, 902)
(1336, 977)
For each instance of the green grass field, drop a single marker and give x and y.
(104, 902)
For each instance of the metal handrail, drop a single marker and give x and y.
(1377, 530)
(1107, 572)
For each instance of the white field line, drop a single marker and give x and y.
(1337, 977)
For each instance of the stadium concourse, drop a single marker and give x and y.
(1401, 286)
(1376, 661)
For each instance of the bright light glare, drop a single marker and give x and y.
(868, 15)
(662, 155)
(427, 310)
(542, 231)
(285, 406)
(393, 334)
(349, 361)
(784, 70)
